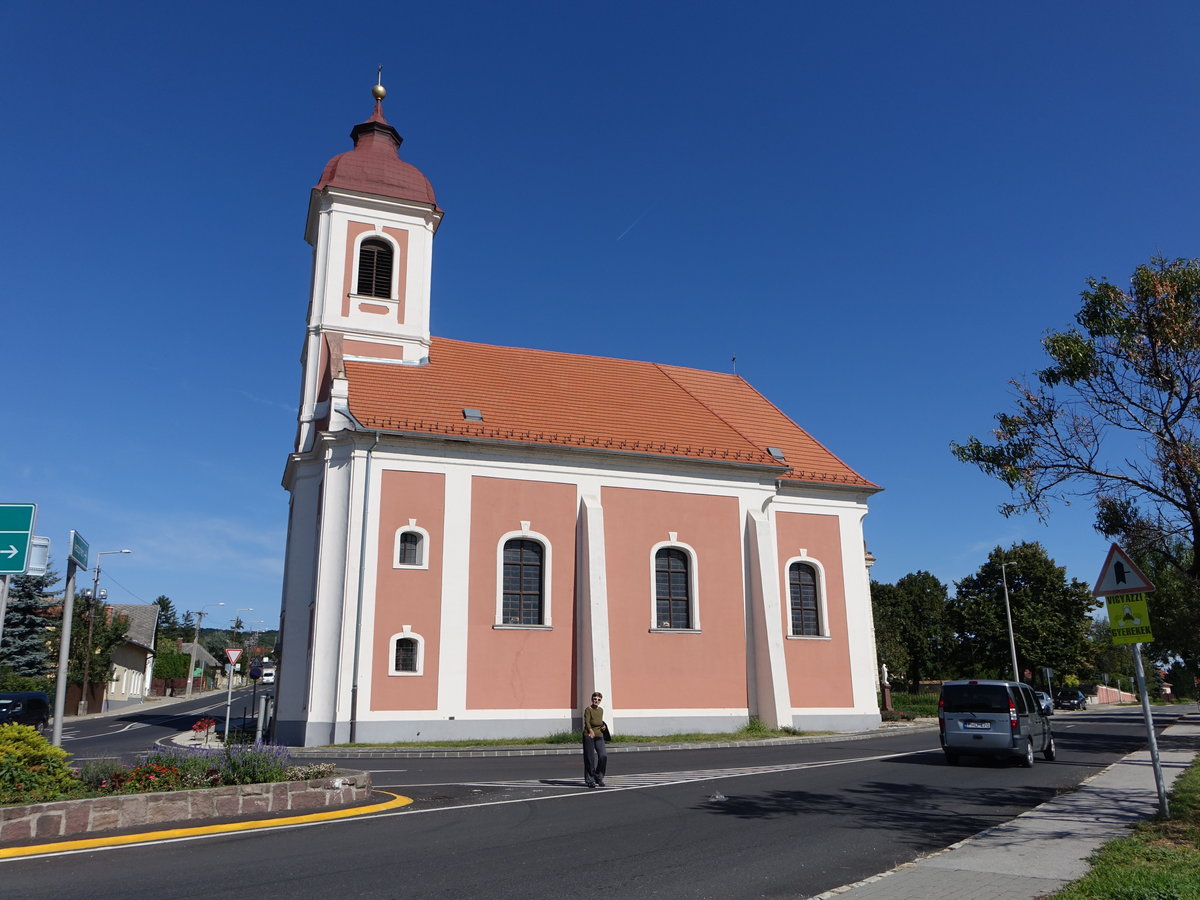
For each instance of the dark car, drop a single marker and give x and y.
(1068, 699)
(25, 708)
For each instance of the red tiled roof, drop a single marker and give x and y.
(567, 400)
(374, 166)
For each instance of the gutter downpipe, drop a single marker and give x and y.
(362, 565)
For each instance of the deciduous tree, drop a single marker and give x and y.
(910, 626)
(1050, 615)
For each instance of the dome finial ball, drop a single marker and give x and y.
(378, 92)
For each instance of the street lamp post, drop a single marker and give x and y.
(91, 615)
(195, 643)
(1012, 643)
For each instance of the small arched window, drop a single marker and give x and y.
(804, 600)
(406, 654)
(523, 583)
(411, 547)
(672, 589)
(375, 268)
(409, 551)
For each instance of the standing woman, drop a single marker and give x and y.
(595, 755)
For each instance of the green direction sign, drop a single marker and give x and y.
(1129, 619)
(79, 550)
(16, 530)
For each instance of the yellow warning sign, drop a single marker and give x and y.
(1129, 620)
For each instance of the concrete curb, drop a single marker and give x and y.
(67, 818)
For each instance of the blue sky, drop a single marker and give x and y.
(879, 208)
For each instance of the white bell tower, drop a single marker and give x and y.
(371, 222)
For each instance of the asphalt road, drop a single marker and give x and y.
(749, 822)
(125, 736)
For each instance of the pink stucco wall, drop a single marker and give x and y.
(818, 669)
(521, 668)
(408, 596)
(654, 670)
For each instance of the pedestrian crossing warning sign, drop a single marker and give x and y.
(1129, 619)
(1120, 576)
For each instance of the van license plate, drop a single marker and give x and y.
(981, 726)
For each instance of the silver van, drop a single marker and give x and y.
(993, 718)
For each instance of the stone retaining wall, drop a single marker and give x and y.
(71, 818)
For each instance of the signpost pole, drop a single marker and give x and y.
(232, 654)
(64, 654)
(1125, 586)
(1163, 806)
(228, 700)
(3, 605)
(76, 559)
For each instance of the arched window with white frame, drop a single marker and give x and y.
(411, 550)
(675, 602)
(523, 580)
(807, 608)
(406, 653)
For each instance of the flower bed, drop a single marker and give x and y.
(67, 818)
(41, 796)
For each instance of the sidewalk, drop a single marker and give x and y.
(1042, 850)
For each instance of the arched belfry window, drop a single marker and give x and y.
(375, 258)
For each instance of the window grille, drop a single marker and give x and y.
(672, 589)
(406, 655)
(523, 583)
(802, 583)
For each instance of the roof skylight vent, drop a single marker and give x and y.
(472, 415)
(777, 453)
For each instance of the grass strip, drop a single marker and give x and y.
(754, 731)
(1160, 860)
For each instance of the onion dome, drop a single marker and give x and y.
(374, 165)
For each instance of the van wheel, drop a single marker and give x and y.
(1027, 759)
(951, 758)
(1049, 753)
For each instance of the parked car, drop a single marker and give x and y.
(1046, 702)
(25, 708)
(1069, 699)
(993, 718)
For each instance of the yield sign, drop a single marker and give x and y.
(1120, 575)
(234, 654)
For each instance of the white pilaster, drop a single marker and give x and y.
(772, 703)
(456, 564)
(595, 659)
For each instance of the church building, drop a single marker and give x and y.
(480, 536)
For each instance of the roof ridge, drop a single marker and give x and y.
(770, 403)
(720, 417)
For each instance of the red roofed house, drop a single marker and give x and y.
(480, 536)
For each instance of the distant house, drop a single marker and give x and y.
(133, 660)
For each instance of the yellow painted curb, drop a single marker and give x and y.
(166, 834)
